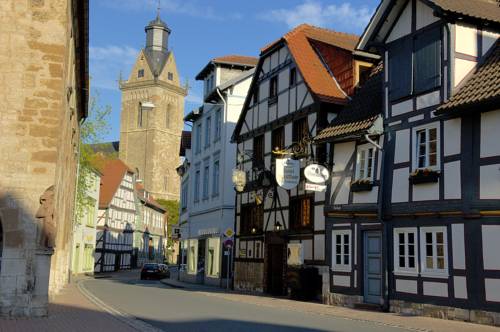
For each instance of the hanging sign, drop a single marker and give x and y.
(315, 187)
(316, 173)
(287, 172)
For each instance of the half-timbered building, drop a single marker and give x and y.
(353, 231)
(301, 82)
(440, 171)
(116, 217)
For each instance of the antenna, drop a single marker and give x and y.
(158, 9)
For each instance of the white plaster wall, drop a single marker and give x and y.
(452, 136)
(425, 15)
(366, 196)
(488, 38)
(458, 246)
(436, 289)
(460, 287)
(301, 93)
(489, 182)
(466, 39)
(402, 147)
(426, 192)
(343, 194)
(406, 286)
(429, 99)
(319, 218)
(341, 154)
(491, 247)
(343, 281)
(319, 247)
(267, 142)
(263, 90)
(288, 134)
(402, 107)
(492, 289)
(283, 54)
(274, 59)
(283, 104)
(308, 252)
(490, 137)
(284, 79)
(293, 101)
(272, 112)
(308, 101)
(263, 111)
(452, 180)
(462, 68)
(403, 25)
(400, 185)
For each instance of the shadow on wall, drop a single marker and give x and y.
(26, 247)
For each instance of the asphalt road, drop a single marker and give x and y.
(184, 310)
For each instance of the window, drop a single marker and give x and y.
(293, 76)
(218, 125)
(208, 125)
(415, 72)
(88, 257)
(192, 256)
(273, 89)
(215, 183)
(405, 250)
(258, 151)
(300, 130)
(278, 138)
(139, 116)
(212, 259)
(434, 250)
(140, 73)
(205, 181)
(251, 218)
(198, 138)
(197, 186)
(170, 76)
(426, 151)
(184, 196)
(363, 74)
(341, 242)
(300, 213)
(364, 163)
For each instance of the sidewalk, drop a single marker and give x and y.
(412, 323)
(70, 311)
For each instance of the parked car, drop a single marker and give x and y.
(154, 271)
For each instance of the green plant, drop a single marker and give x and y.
(172, 208)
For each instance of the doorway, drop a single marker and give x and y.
(275, 269)
(118, 259)
(372, 258)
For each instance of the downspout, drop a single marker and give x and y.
(222, 193)
(385, 237)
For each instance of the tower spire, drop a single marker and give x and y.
(158, 9)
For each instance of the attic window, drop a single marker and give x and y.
(170, 76)
(140, 73)
(273, 90)
(363, 74)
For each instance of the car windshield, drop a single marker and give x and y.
(150, 266)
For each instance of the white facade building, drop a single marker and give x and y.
(207, 195)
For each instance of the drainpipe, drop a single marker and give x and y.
(385, 237)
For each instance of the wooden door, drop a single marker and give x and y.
(275, 269)
(372, 257)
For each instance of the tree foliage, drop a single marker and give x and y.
(172, 208)
(92, 131)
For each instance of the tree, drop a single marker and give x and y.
(172, 208)
(92, 131)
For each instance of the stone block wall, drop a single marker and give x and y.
(39, 119)
(249, 276)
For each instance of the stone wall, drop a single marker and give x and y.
(249, 276)
(39, 120)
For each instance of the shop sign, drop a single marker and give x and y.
(315, 187)
(316, 173)
(287, 172)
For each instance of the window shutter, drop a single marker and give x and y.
(400, 68)
(427, 60)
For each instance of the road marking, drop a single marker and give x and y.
(130, 320)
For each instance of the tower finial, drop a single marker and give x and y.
(158, 9)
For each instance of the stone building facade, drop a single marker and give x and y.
(43, 98)
(152, 115)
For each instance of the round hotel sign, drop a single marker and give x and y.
(287, 172)
(316, 173)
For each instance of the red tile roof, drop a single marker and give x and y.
(237, 59)
(313, 70)
(480, 9)
(113, 172)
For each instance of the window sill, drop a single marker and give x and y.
(438, 275)
(405, 273)
(421, 176)
(342, 269)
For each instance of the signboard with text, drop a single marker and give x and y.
(287, 173)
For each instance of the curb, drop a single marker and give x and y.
(130, 320)
(163, 281)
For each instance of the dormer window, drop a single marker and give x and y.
(140, 73)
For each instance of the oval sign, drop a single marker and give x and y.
(316, 173)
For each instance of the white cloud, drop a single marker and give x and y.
(106, 63)
(185, 7)
(194, 98)
(339, 17)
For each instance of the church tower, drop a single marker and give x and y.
(152, 114)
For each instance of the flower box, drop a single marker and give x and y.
(425, 175)
(361, 185)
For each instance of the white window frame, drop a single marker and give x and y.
(437, 273)
(341, 267)
(198, 138)
(398, 270)
(216, 178)
(365, 149)
(415, 147)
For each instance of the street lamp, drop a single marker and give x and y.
(278, 226)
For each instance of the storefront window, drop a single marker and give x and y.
(212, 259)
(192, 256)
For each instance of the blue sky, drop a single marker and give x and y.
(201, 30)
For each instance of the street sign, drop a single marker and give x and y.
(316, 173)
(228, 243)
(229, 232)
(315, 187)
(287, 172)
